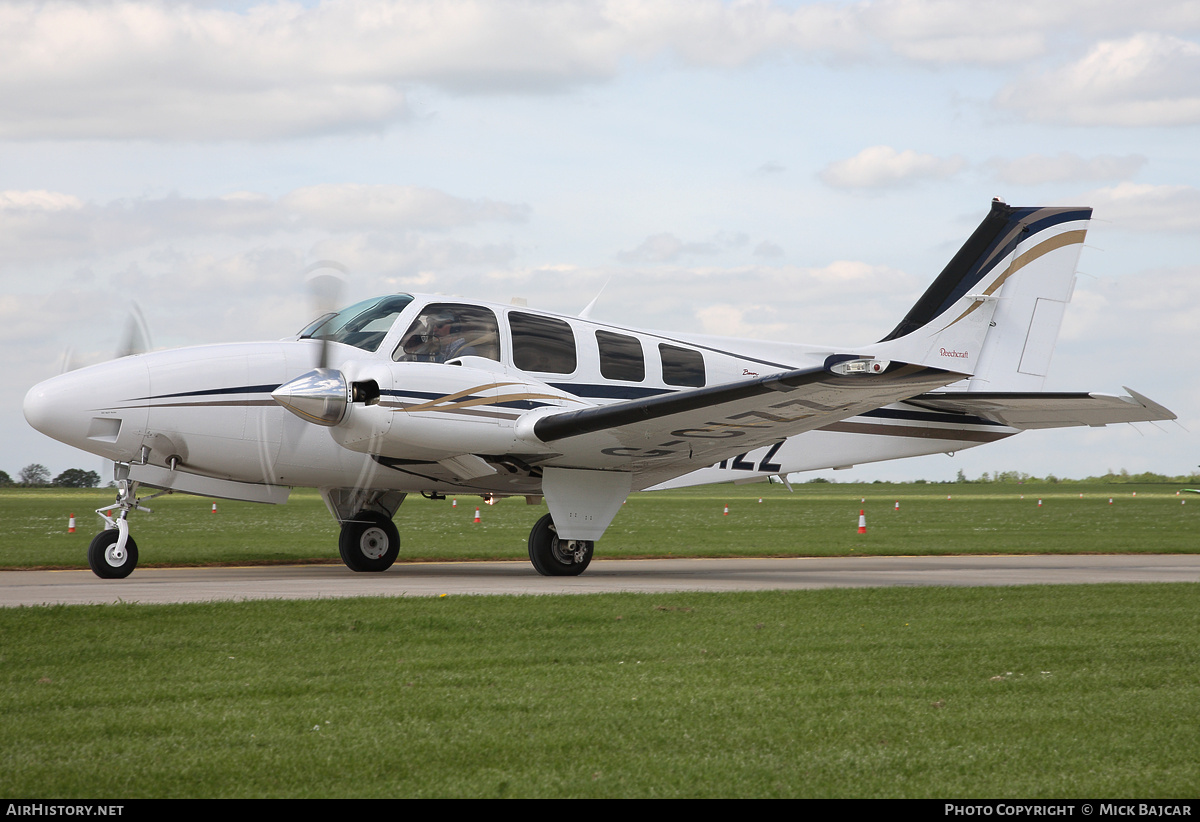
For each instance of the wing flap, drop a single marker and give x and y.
(1032, 410)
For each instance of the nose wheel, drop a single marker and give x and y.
(113, 554)
(110, 560)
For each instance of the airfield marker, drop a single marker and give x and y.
(862, 521)
(477, 515)
(71, 524)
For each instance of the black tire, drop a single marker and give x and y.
(369, 542)
(552, 557)
(105, 562)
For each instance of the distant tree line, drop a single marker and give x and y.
(36, 475)
(1017, 477)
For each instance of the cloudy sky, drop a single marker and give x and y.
(784, 170)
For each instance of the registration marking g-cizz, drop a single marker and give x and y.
(739, 463)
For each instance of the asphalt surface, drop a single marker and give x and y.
(167, 585)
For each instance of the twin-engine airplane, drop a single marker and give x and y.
(409, 393)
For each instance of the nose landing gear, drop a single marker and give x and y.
(113, 554)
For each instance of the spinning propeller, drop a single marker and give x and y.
(135, 339)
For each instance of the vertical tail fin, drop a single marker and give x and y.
(995, 310)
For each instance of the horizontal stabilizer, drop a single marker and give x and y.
(1029, 410)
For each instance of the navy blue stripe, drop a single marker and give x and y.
(245, 389)
(608, 392)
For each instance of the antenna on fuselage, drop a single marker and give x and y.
(587, 311)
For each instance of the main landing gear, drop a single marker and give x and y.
(369, 542)
(554, 557)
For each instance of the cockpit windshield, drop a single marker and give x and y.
(362, 325)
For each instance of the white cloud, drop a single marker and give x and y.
(44, 225)
(77, 70)
(1143, 207)
(667, 248)
(885, 167)
(385, 206)
(147, 69)
(1065, 167)
(38, 201)
(1147, 79)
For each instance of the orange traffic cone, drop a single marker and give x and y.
(71, 524)
(453, 503)
(726, 510)
(214, 510)
(862, 521)
(897, 508)
(477, 515)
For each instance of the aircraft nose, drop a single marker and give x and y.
(45, 410)
(89, 408)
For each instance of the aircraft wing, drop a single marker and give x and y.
(668, 435)
(1047, 409)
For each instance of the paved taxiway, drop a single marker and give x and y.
(155, 585)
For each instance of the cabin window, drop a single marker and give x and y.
(362, 325)
(542, 344)
(682, 366)
(446, 331)
(621, 357)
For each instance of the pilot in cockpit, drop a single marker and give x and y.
(435, 338)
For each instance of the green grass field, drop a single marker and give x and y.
(1023, 692)
(1036, 691)
(816, 520)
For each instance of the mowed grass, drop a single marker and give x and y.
(816, 520)
(1039, 691)
(1063, 691)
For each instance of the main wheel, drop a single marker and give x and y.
(106, 561)
(554, 557)
(369, 542)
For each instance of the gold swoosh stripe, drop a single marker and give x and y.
(437, 405)
(465, 392)
(1060, 241)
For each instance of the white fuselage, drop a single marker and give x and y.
(446, 427)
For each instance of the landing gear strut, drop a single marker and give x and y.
(369, 542)
(554, 557)
(113, 554)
